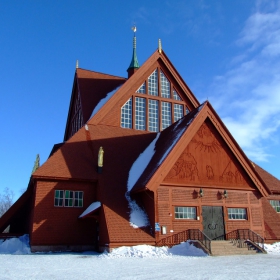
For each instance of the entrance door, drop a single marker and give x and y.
(213, 221)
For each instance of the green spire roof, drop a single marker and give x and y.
(134, 61)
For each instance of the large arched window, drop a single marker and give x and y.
(154, 106)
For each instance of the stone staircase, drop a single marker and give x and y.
(226, 247)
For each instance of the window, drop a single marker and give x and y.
(140, 113)
(165, 114)
(237, 214)
(68, 198)
(148, 109)
(79, 199)
(126, 121)
(142, 89)
(176, 95)
(185, 213)
(153, 83)
(276, 205)
(58, 198)
(178, 112)
(165, 86)
(153, 115)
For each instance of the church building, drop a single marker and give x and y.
(142, 160)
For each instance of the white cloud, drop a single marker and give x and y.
(251, 87)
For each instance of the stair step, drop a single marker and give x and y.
(223, 248)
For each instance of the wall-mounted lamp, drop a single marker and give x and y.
(201, 193)
(225, 194)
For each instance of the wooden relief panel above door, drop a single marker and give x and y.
(207, 161)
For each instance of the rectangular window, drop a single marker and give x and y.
(237, 214)
(79, 199)
(68, 198)
(140, 113)
(153, 115)
(178, 112)
(58, 198)
(153, 83)
(185, 213)
(165, 114)
(126, 119)
(276, 205)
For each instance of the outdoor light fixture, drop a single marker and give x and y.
(201, 193)
(225, 194)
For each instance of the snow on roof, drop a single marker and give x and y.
(95, 205)
(140, 164)
(103, 101)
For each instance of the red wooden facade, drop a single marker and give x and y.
(197, 166)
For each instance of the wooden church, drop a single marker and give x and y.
(142, 160)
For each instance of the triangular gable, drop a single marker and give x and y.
(89, 88)
(108, 113)
(152, 181)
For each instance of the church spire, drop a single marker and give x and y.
(134, 65)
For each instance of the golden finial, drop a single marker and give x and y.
(133, 28)
(77, 63)
(159, 46)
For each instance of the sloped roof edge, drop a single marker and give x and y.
(152, 181)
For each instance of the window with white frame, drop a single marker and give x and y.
(153, 83)
(142, 89)
(68, 198)
(154, 106)
(58, 198)
(165, 114)
(182, 212)
(275, 204)
(140, 113)
(153, 116)
(178, 112)
(237, 214)
(165, 86)
(126, 119)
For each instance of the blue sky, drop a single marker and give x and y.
(226, 51)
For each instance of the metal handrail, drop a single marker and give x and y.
(183, 236)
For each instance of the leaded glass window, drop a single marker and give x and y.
(275, 204)
(142, 89)
(178, 112)
(185, 213)
(153, 83)
(165, 86)
(140, 113)
(58, 198)
(165, 114)
(78, 199)
(153, 116)
(176, 95)
(126, 118)
(237, 214)
(68, 199)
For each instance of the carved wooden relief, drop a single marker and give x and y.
(207, 161)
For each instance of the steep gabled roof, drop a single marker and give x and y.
(136, 80)
(92, 86)
(159, 166)
(272, 183)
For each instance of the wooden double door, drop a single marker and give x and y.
(213, 221)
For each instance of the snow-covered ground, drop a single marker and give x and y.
(139, 262)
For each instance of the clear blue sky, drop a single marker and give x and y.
(226, 51)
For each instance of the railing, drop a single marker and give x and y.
(189, 234)
(240, 237)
